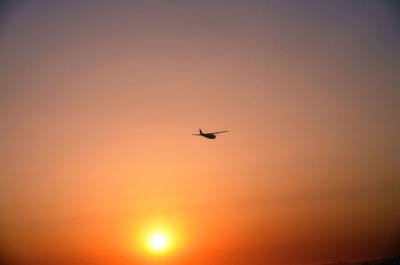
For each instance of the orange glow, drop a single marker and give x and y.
(99, 101)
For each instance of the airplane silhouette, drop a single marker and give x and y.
(211, 135)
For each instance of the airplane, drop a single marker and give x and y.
(211, 135)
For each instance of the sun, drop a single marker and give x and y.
(157, 238)
(158, 242)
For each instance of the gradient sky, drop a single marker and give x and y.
(99, 100)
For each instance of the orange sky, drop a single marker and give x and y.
(99, 101)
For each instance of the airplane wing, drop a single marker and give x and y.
(219, 132)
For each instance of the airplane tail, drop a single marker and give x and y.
(200, 131)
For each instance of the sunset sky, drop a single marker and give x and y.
(99, 101)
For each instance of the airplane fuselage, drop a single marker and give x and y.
(208, 135)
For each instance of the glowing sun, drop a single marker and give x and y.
(158, 242)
